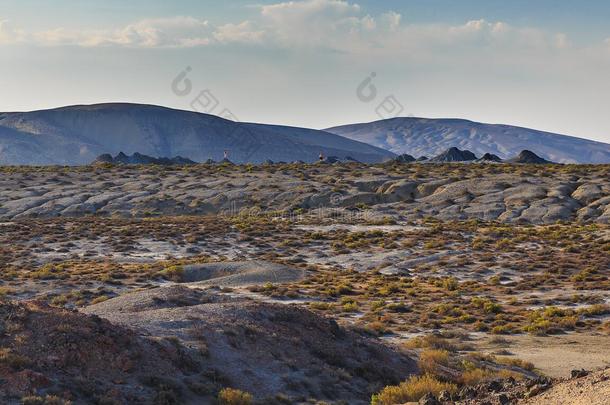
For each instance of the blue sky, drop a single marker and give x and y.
(542, 64)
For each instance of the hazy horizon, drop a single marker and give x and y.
(537, 65)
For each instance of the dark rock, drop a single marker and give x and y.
(537, 389)
(579, 373)
(429, 399)
(468, 392)
(503, 399)
(454, 155)
(444, 396)
(140, 159)
(104, 158)
(528, 157)
(490, 157)
(422, 158)
(494, 386)
(404, 158)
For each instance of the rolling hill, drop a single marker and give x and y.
(76, 135)
(430, 137)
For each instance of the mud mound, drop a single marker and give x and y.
(270, 349)
(85, 359)
(235, 274)
(158, 298)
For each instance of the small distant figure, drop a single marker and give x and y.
(226, 154)
(321, 157)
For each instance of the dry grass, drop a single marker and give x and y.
(232, 396)
(411, 390)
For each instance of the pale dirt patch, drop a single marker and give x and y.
(593, 389)
(556, 356)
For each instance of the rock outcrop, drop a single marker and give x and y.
(139, 159)
(404, 158)
(489, 158)
(528, 157)
(454, 154)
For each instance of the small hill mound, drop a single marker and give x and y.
(528, 157)
(234, 274)
(265, 349)
(489, 157)
(454, 154)
(404, 158)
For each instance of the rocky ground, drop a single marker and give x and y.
(300, 284)
(506, 193)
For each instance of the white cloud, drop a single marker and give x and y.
(328, 24)
(168, 32)
(244, 32)
(9, 34)
(151, 33)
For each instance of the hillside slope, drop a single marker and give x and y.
(78, 134)
(430, 137)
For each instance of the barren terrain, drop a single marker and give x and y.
(306, 283)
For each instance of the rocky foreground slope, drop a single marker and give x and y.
(180, 346)
(507, 193)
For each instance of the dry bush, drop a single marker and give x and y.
(411, 390)
(430, 359)
(232, 396)
(475, 376)
(46, 400)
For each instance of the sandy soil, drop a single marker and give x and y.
(593, 389)
(556, 356)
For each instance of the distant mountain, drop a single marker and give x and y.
(453, 154)
(77, 135)
(139, 159)
(528, 157)
(421, 136)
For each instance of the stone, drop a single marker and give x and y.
(444, 396)
(428, 399)
(579, 373)
(503, 399)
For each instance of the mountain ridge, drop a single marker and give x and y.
(76, 135)
(431, 136)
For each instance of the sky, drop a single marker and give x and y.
(317, 63)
